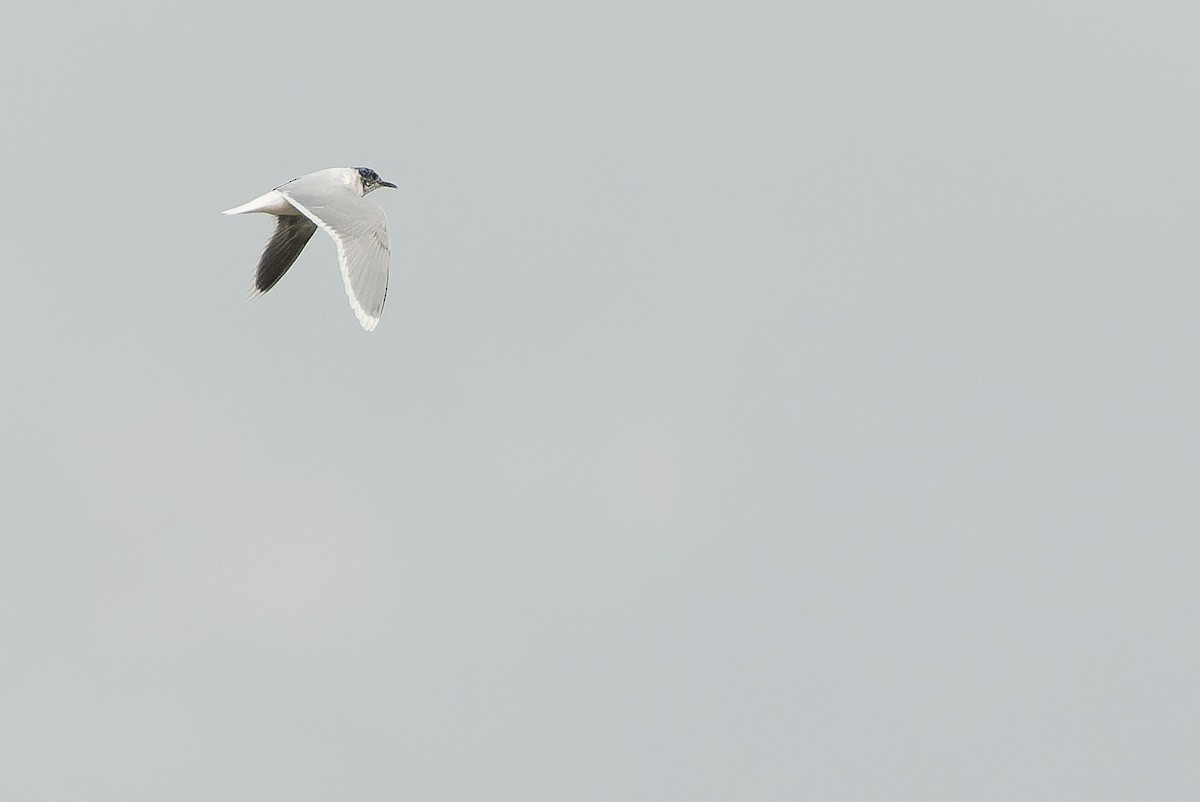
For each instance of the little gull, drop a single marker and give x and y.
(333, 200)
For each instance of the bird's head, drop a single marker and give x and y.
(371, 180)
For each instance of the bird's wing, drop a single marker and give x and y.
(360, 230)
(292, 233)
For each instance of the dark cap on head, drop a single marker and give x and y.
(371, 179)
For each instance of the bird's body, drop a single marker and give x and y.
(333, 200)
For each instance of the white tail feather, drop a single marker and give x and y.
(271, 203)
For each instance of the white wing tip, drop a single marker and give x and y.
(365, 318)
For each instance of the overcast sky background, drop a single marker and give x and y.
(773, 401)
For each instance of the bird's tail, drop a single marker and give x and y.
(271, 203)
(243, 209)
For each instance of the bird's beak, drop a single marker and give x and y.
(388, 184)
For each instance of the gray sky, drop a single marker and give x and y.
(773, 401)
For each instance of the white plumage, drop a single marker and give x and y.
(333, 200)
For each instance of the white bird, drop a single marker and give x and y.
(333, 200)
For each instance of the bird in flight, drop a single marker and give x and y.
(332, 199)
